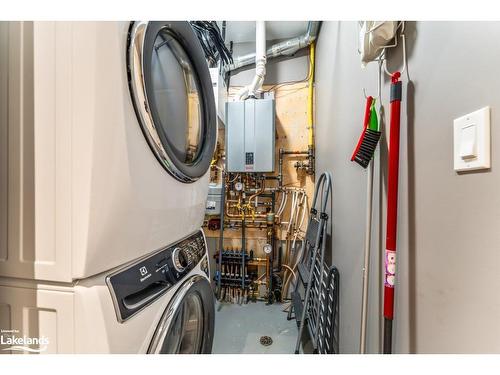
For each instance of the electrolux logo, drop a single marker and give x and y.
(144, 273)
(14, 342)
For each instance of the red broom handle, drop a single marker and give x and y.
(392, 210)
(366, 120)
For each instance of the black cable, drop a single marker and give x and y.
(212, 42)
(227, 78)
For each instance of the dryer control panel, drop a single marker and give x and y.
(136, 286)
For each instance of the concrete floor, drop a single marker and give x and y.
(238, 329)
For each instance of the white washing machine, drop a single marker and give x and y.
(107, 131)
(162, 303)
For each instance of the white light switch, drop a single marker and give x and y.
(468, 142)
(472, 141)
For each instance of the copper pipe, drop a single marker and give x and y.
(240, 216)
(256, 264)
(294, 152)
(263, 187)
(256, 224)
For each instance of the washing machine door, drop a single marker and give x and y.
(173, 97)
(187, 325)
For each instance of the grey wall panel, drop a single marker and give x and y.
(448, 238)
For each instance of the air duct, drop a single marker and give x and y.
(285, 48)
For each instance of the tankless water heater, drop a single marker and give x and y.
(250, 135)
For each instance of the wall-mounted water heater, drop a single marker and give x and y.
(250, 135)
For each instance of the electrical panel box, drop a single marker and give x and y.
(213, 204)
(250, 135)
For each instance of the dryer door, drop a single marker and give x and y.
(173, 96)
(187, 325)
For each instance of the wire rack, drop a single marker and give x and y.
(324, 325)
(318, 308)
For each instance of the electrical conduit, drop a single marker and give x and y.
(310, 111)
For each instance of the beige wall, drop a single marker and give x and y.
(448, 283)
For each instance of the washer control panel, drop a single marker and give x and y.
(138, 285)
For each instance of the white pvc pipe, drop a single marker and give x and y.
(292, 211)
(304, 209)
(260, 63)
(260, 57)
(281, 208)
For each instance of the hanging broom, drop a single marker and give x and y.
(368, 140)
(362, 155)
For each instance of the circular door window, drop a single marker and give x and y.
(186, 333)
(173, 96)
(187, 324)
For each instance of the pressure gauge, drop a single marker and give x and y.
(238, 186)
(268, 248)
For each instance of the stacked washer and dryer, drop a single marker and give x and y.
(107, 133)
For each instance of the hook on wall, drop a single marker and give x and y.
(382, 59)
(403, 38)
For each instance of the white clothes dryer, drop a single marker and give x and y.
(111, 130)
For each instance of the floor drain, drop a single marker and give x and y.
(266, 340)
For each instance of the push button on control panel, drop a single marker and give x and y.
(162, 265)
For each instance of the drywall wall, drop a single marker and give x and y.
(448, 239)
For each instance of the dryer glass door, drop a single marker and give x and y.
(173, 96)
(176, 96)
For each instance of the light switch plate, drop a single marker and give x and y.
(471, 141)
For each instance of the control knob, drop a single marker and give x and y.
(181, 259)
